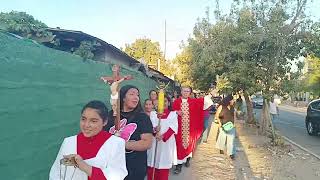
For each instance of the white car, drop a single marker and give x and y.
(257, 102)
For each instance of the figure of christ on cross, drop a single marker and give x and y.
(114, 83)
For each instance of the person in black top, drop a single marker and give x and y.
(136, 128)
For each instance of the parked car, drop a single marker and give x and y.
(257, 101)
(313, 117)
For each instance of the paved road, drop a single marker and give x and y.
(292, 125)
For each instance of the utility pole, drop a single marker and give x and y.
(165, 39)
(158, 65)
(217, 11)
(165, 45)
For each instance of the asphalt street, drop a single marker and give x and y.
(292, 125)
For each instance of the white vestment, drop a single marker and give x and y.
(110, 159)
(166, 151)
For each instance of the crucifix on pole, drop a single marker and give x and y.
(114, 83)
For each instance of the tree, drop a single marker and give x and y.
(312, 50)
(182, 66)
(86, 48)
(148, 51)
(167, 68)
(254, 47)
(313, 76)
(144, 49)
(208, 49)
(225, 48)
(311, 41)
(25, 25)
(223, 85)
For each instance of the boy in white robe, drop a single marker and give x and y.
(166, 147)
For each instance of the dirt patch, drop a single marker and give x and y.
(209, 164)
(280, 162)
(256, 159)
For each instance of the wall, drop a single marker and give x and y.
(42, 92)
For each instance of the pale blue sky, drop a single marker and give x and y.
(119, 22)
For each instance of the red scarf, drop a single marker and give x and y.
(165, 114)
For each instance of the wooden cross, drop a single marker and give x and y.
(116, 78)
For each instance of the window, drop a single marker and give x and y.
(318, 106)
(315, 105)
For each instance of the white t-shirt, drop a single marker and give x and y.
(273, 108)
(207, 102)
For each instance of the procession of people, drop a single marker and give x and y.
(135, 142)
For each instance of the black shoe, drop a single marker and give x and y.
(232, 157)
(187, 164)
(177, 170)
(221, 152)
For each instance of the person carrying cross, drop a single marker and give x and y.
(135, 128)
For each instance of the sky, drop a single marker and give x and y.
(121, 22)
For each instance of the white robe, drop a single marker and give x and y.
(166, 151)
(207, 102)
(110, 159)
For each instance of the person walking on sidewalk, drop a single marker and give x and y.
(136, 129)
(226, 116)
(239, 108)
(274, 110)
(206, 124)
(190, 124)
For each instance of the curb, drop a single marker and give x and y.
(296, 111)
(299, 109)
(299, 146)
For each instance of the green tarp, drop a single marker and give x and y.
(42, 92)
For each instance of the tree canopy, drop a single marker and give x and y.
(25, 25)
(254, 45)
(149, 52)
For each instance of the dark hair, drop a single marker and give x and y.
(99, 106)
(178, 93)
(226, 101)
(239, 99)
(123, 92)
(195, 95)
(169, 101)
(189, 87)
(147, 100)
(152, 91)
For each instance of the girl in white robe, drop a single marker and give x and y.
(166, 147)
(97, 155)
